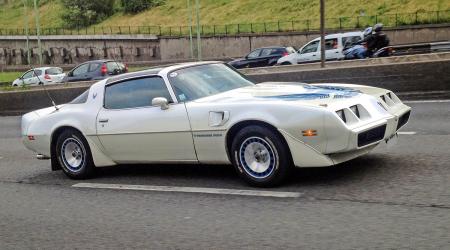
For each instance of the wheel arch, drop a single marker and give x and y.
(232, 132)
(53, 140)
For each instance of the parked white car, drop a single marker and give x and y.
(310, 52)
(206, 112)
(43, 75)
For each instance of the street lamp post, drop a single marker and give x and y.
(199, 42)
(36, 12)
(25, 13)
(191, 45)
(322, 33)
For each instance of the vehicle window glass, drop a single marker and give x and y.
(82, 69)
(331, 44)
(81, 98)
(37, 72)
(266, 52)
(111, 66)
(205, 80)
(27, 75)
(311, 47)
(350, 39)
(254, 54)
(94, 66)
(135, 93)
(53, 71)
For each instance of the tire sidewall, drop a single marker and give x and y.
(280, 151)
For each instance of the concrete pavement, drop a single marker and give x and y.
(389, 199)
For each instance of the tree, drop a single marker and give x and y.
(136, 6)
(82, 13)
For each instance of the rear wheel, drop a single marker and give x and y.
(286, 63)
(260, 156)
(74, 155)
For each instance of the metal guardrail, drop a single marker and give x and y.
(420, 48)
(338, 23)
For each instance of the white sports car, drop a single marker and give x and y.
(208, 113)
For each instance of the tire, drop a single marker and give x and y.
(268, 152)
(74, 155)
(286, 63)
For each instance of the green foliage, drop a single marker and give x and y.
(136, 6)
(82, 13)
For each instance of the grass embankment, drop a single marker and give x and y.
(174, 12)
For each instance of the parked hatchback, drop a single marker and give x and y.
(37, 76)
(95, 70)
(262, 57)
(310, 52)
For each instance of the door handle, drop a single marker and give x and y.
(103, 120)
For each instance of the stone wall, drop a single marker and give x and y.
(60, 50)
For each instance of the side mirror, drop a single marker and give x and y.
(161, 102)
(70, 73)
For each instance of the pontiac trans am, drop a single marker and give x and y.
(208, 113)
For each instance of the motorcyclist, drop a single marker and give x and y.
(356, 50)
(377, 40)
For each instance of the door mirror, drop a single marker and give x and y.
(161, 102)
(70, 73)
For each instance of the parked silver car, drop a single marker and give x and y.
(37, 76)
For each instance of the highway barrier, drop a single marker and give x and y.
(415, 73)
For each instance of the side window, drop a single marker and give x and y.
(267, 52)
(311, 47)
(254, 54)
(27, 75)
(37, 72)
(82, 69)
(348, 40)
(94, 66)
(331, 44)
(135, 93)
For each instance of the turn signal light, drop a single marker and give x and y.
(309, 132)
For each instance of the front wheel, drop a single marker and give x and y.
(260, 156)
(74, 155)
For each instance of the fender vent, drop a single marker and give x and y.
(403, 119)
(371, 136)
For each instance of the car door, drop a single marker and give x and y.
(79, 73)
(131, 130)
(36, 78)
(26, 77)
(264, 58)
(252, 58)
(332, 49)
(310, 52)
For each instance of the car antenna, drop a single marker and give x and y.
(45, 89)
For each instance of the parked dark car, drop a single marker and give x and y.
(95, 70)
(262, 57)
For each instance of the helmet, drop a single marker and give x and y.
(367, 31)
(378, 27)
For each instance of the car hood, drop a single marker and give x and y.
(279, 91)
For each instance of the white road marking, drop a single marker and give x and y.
(407, 133)
(427, 101)
(190, 190)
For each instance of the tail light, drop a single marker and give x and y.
(47, 77)
(285, 53)
(104, 70)
(126, 67)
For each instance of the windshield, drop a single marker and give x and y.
(205, 80)
(54, 71)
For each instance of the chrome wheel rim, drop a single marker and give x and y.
(257, 157)
(73, 154)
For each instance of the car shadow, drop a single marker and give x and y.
(226, 176)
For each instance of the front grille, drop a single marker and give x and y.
(403, 119)
(372, 135)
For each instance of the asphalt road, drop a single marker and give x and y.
(395, 198)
